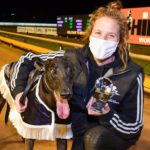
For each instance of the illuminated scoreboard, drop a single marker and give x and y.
(72, 25)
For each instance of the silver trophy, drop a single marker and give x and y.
(104, 90)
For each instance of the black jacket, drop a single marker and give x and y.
(126, 115)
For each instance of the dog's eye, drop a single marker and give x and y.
(69, 72)
(54, 72)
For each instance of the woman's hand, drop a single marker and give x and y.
(20, 107)
(90, 110)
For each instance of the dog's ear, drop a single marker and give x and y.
(40, 66)
(72, 56)
(71, 61)
(79, 74)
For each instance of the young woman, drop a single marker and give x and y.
(119, 124)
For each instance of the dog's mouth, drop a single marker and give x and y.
(66, 96)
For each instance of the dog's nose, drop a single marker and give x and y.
(66, 94)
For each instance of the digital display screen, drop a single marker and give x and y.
(72, 25)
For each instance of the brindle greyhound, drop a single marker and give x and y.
(44, 117)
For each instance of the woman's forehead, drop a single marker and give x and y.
(107, 24)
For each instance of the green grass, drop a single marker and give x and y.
(142, 50)
(144, 64)
(138, 49)
(40, 43)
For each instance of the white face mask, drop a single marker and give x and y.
(102, 49)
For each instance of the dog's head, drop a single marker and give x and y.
(59, 76)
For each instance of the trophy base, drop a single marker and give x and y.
(98, 106)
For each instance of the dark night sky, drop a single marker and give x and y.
(45, 12)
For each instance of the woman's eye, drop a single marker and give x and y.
(111, 36)
(98, 33)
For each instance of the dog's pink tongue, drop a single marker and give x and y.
(63, 110)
